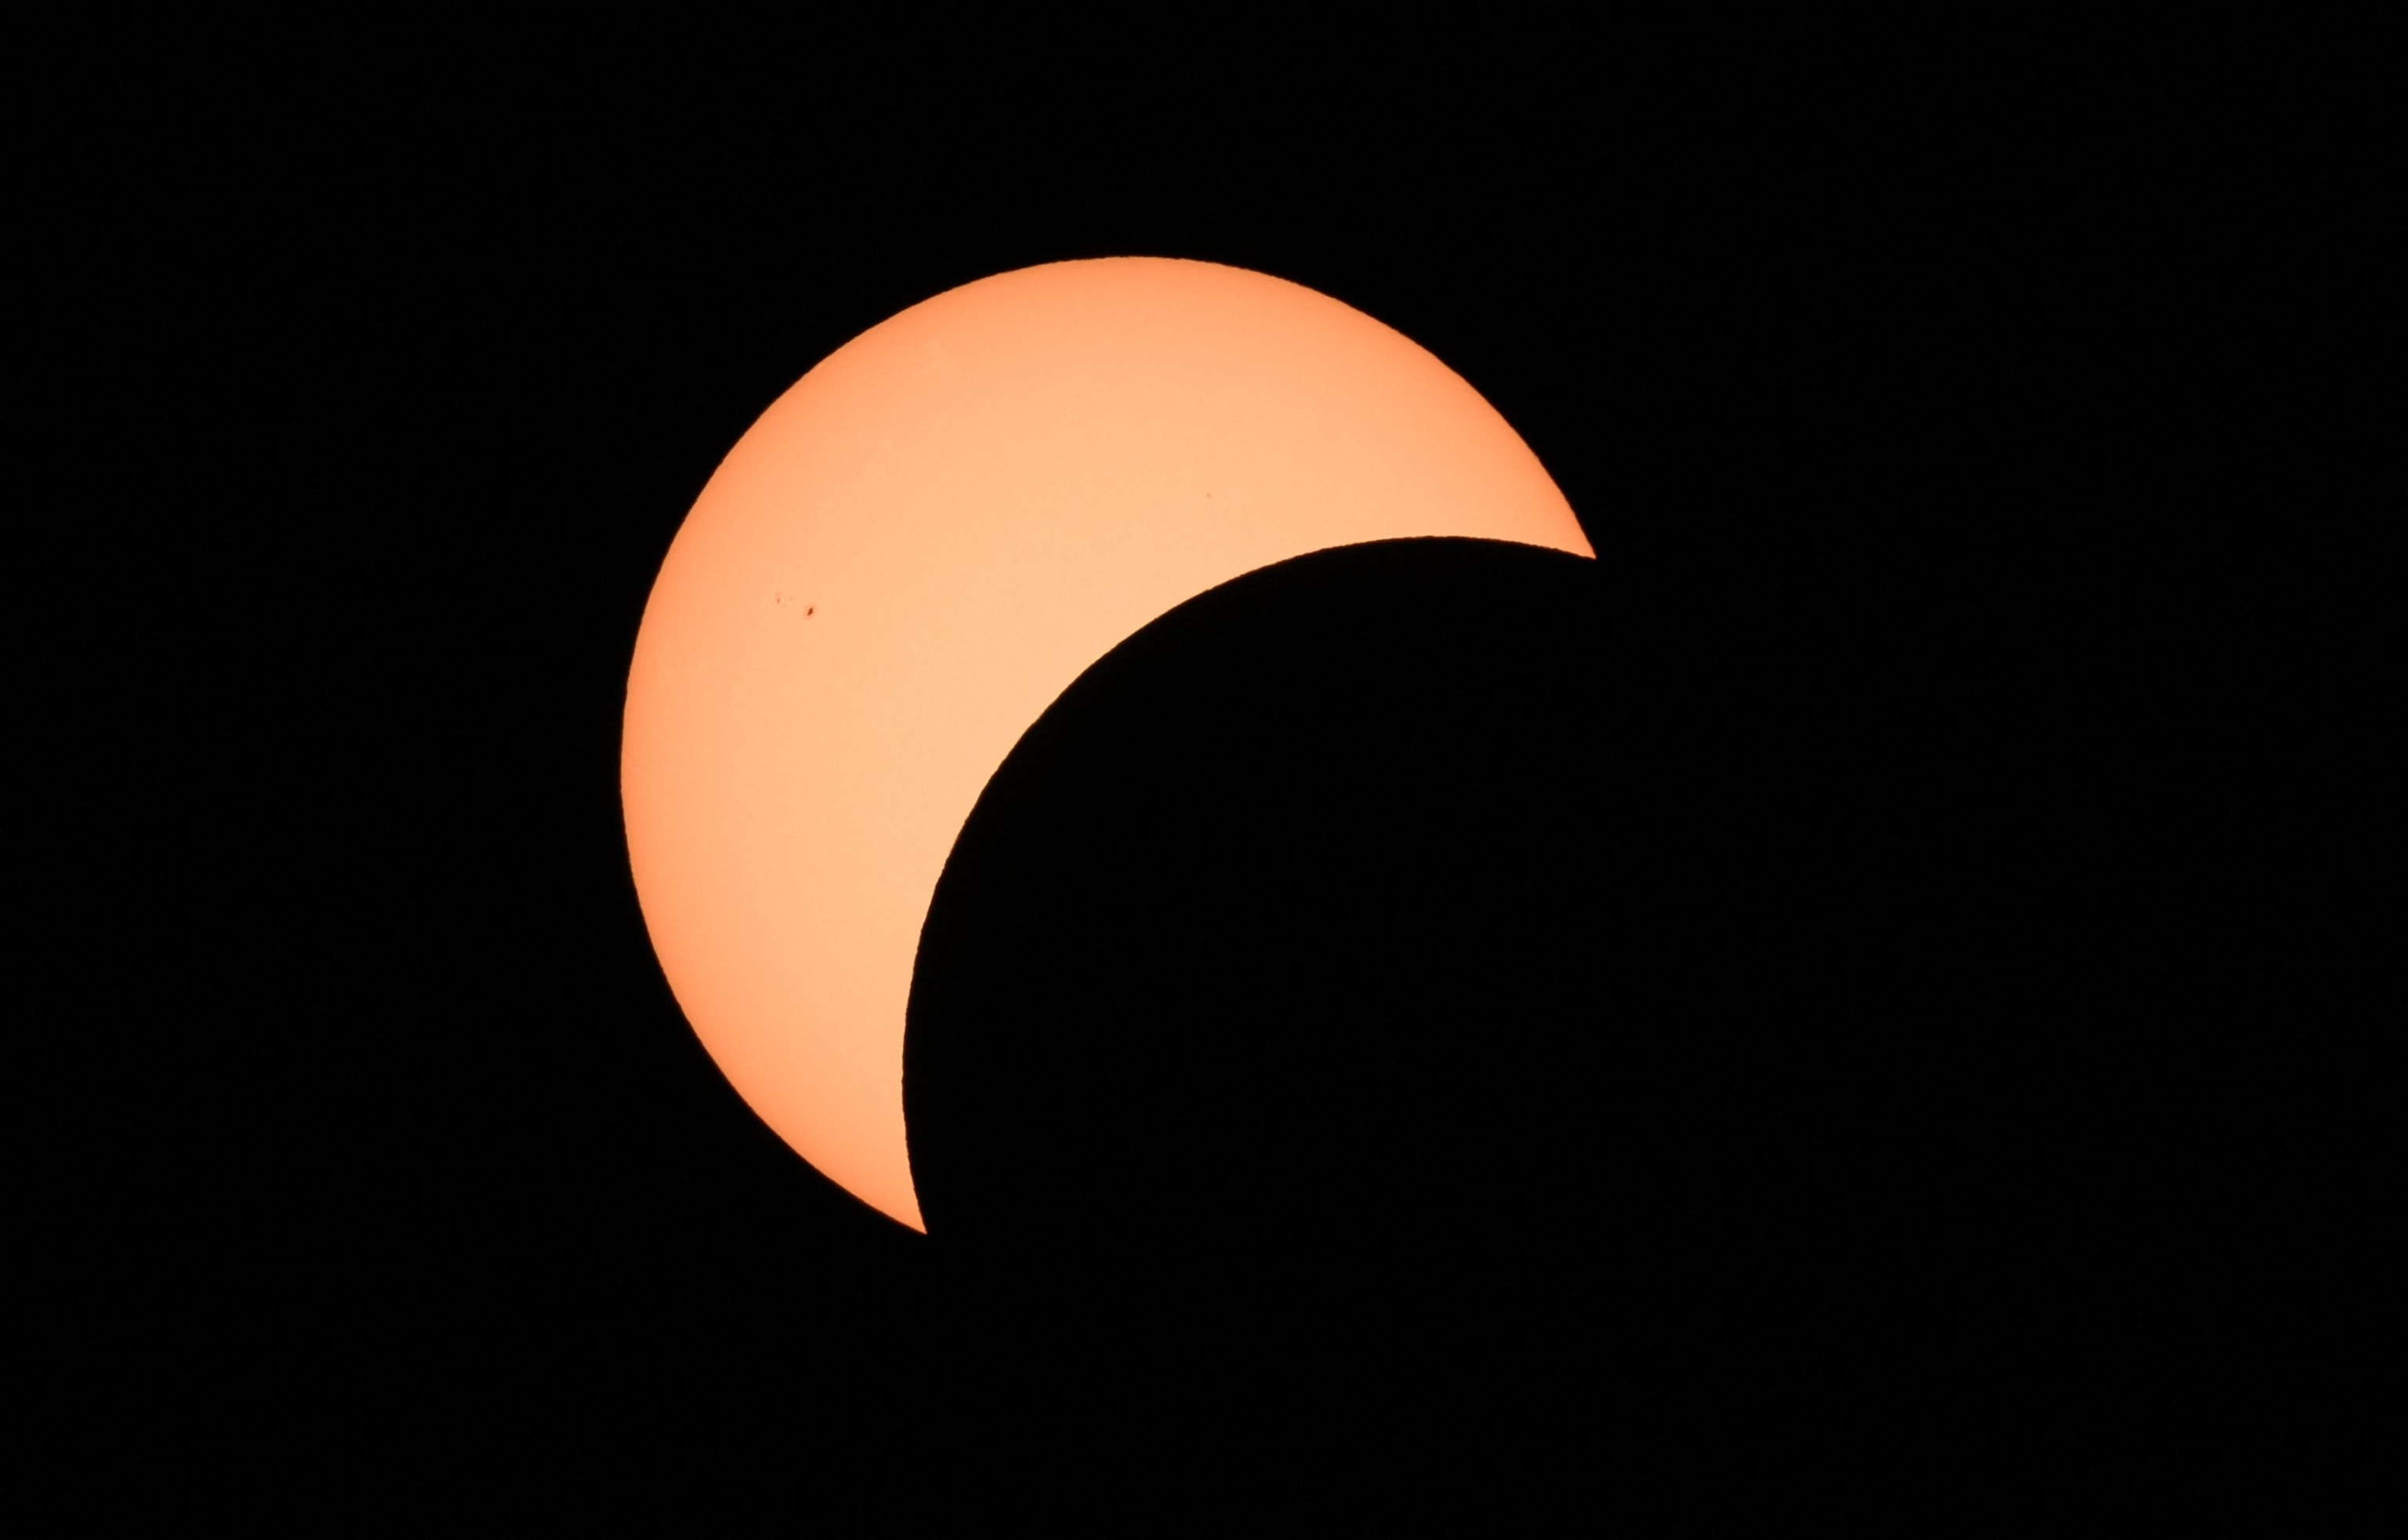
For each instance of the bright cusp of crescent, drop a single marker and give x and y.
(919, 547)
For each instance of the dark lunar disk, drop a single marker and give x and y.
(1435, 958)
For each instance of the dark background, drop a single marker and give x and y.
(1941, 410)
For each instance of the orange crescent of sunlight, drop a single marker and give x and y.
(923, 544)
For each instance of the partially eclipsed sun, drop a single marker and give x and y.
(920, 545)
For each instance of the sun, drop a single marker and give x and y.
(914, 551)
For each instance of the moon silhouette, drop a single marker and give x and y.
(914, 551)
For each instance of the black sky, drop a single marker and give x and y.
(1924, 414)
